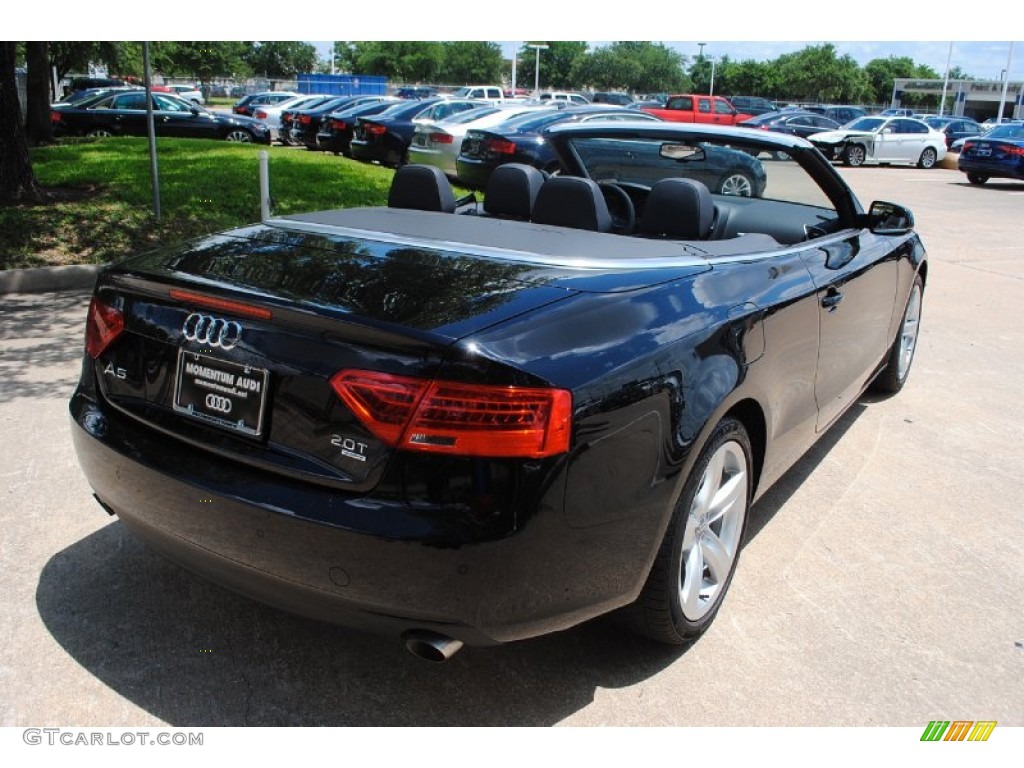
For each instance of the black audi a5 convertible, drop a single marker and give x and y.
(479, 421)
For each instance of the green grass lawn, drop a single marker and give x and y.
(103, 195)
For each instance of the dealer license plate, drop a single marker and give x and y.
(220, 392)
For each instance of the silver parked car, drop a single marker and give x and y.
(437, 142)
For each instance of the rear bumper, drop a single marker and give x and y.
(219, 519)
(989, 168)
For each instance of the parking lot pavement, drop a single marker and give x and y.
(882, 583)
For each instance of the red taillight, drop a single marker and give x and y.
(374, 129)
(968, 145)
(339, 125)
(499, 146)
(1012, 149)
(305, 119)
(441, 138)
(260, 114)
(103, 325)
(459, 419)
(55, 117)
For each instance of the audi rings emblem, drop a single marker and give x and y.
(215, 331)
(218, 403)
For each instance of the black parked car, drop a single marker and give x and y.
(248, 103)
(801, 124)
(304, 123)
(841, 113)
(123, 113)
(385, 138)
(954, 127)
(479, 428)
(337, 129)
(519, 141)
(611, 97)
(752, 105)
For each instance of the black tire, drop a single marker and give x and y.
(240, 135)
(671, 608)
(976, 178)
(929, 158)
(737, 184)
(854, 155)
(901, 353)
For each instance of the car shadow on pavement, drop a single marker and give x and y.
(41, 336)
(193, 654)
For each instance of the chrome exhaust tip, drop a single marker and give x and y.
(431, 646)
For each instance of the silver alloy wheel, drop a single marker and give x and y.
(908, 333)
(100, 133)
(239, 134)
(855, 155)
(737, 184)
(928, 158)
(711, 539)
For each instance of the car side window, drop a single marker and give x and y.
(130, 101)
(704, 105)
(801, 121)
(912, 126)
(722, 108)
(167, 105)
(682, 102)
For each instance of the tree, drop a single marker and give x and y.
(282, 60)
(120, 58)
(17, 180)
(815, 73)
(202, 60)
(556, 63)
(38, 128)
(471, 63)
(882, 74)
(405, 60)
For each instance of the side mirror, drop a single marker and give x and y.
(889, 219)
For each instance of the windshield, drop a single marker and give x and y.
(866, 124)
(732, 168)
(534, 121)
(1006, 132)
(470, 115)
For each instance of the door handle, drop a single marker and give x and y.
(831, 300)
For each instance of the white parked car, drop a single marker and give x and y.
(491, 93)
(270, 114)
(188, 92)
(437, 142)
(569, 97)
(877, 139)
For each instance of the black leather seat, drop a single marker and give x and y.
(678, 209)
(512, 191)
(571, 201)
(421, 188)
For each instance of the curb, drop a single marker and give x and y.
(46, 279)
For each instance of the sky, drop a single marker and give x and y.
(983, 60)
(741, 29)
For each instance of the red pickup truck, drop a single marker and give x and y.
(688, 108)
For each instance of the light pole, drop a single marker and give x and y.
(711, 90)
(536, 69)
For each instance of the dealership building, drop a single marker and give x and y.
(978, 99)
